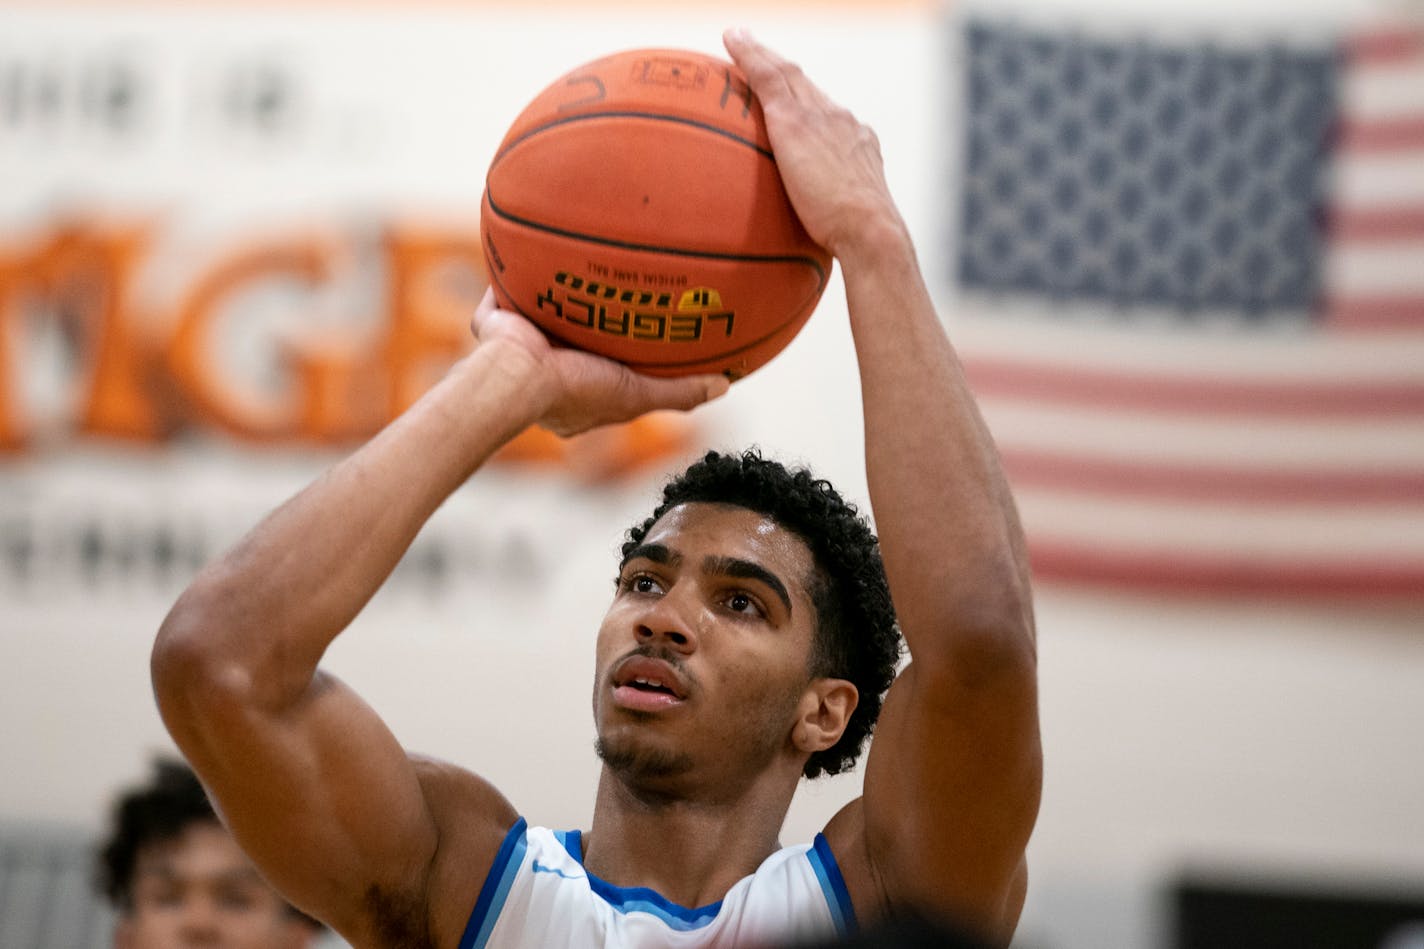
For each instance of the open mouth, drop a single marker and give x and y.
(650, 685)
(642, 680)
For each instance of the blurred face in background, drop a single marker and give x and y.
(201, 890)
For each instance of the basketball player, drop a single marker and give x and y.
(722, 671)
(178, 879)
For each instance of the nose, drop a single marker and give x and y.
(200, 922)
(670, 620)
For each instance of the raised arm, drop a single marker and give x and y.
(953, 777)
(311, 782)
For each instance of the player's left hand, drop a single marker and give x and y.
(830, 162)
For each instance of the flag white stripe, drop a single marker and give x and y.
(1393, 267)
(1289, 353)
(1193, 441)
(1382, 91)
(1245, 530)
(1390, 179)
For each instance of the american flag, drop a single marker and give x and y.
(1191, 301)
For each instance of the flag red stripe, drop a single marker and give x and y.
(1384, 46)
(1093, 475)
(1376, 313)
(1122, 390)
(1377, 224)
(1383, 134)
(1226, 575)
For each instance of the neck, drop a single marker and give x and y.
(688, 850)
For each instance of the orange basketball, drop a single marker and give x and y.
(634, 210)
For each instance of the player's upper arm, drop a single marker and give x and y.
(953, 778)
(318, 792)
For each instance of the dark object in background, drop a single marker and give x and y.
(1271, 914)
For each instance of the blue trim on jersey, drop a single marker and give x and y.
(828, 872)
(639, 899)
(572, 841)
(496, 888)
(537, 867)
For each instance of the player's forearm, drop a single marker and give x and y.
(263, 614)
(950, 537)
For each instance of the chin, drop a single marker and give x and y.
(639, 761)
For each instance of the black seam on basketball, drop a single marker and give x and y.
(653, 248)
(631, 114)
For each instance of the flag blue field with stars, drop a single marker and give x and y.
(1189, 292)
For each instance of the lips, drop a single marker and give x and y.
(647, 684)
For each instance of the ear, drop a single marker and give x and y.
(123, 932)
(823, 713)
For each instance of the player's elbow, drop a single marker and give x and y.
(195, 671)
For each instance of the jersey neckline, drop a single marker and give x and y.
(627, 899)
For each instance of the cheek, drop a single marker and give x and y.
(294, 936)
(146, 930)
(612, 630)
(749, 683)
(262, 928)
(139, 930)
(606, 645)
(605, 650)
(765, 682)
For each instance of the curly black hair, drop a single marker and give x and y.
(857, 638)
(157, 812)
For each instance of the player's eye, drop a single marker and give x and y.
(168, 898)
(165, 895)
(642, 583)
(236, 899)
(739, 602)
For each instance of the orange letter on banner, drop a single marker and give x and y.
(199, 368)
(14, 430)
(436, 279)
(84, 274)
(344, 392)
(94, 273)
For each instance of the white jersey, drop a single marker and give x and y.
(539, 896)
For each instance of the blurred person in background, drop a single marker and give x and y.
(178, 879)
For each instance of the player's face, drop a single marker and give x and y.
(201, 890)
(703, 656)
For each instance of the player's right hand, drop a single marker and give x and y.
(574, 391)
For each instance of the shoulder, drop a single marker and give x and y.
(871, 895)
(845, 835)
(472, 819)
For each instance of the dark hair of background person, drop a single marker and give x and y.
(154, 813)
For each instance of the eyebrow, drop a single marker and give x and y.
(167, 872)
(657, 553)
(746, 570)
(717, 566)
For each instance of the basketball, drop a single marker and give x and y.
(634, 210)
